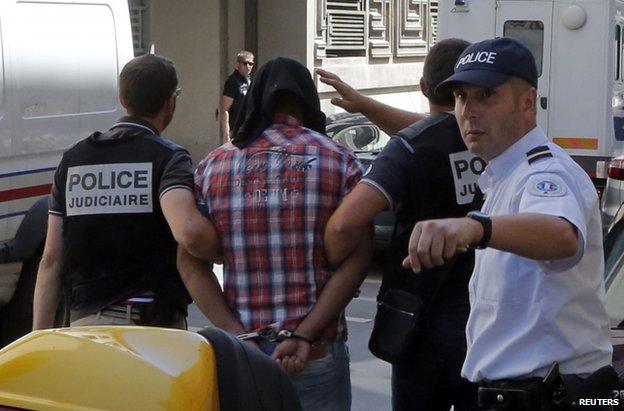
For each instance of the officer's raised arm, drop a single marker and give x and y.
(389, 119)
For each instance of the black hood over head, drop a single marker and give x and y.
(281, 75)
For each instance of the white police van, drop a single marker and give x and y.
(59, 63)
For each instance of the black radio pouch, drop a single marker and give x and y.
(397, 324)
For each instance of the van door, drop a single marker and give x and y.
(531, 23)
(5, 153)
(62, 65)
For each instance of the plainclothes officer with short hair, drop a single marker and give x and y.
(120, 201)
(537, 290)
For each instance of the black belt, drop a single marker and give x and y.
(553, 392)
(152, 313)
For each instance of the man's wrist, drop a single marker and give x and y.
(286, 334)
(365, 104)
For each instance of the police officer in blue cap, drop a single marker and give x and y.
(537, 290)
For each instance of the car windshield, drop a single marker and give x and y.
(361, 138)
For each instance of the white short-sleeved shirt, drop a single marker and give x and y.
(526, 314)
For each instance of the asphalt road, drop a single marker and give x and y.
(370, 377)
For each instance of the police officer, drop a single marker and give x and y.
(425, 171)
(537, 291)
(120, 201)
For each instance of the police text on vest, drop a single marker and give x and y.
(109, 189)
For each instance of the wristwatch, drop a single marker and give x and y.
(486, 223)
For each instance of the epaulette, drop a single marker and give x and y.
(538, 153)
(419, 127)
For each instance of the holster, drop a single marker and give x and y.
(516, 394)
(599, 384)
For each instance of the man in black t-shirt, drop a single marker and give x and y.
(121, 200)
(234, 91)
(420, 174)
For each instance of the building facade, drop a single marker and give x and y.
(378, 46)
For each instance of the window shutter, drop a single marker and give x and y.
(346, 27)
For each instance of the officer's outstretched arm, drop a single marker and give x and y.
(389, 119)
(48, 287)
(190, 228)
(530, 235)
(202, 284)
(535, 236)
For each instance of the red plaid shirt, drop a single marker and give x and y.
(270, 203)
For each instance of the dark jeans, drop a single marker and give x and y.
(431, 380)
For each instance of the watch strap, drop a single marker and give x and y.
(486, 223)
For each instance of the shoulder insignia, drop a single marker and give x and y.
(547, 185)
(538, 153)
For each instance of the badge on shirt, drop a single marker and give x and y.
(547, 185)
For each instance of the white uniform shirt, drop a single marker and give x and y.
(526, 314)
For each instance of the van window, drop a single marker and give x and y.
(618, 51)
(531, 34)
(63, 58)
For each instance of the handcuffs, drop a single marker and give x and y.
(273, 335)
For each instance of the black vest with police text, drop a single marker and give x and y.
(444, 182)
(117, 241)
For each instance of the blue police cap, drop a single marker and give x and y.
(491, 63)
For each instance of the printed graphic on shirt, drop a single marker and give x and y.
(243, 88)
(466, 170)
(547, 185)
(275, 177)
(109, 189)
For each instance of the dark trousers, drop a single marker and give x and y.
(431, 380)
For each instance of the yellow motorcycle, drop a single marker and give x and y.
(139, 368)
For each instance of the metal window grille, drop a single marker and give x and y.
(346, 27)
(138, 22)
(433, 21)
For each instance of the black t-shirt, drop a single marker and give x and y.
(236, 87)
(426, 172)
